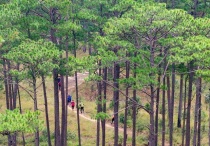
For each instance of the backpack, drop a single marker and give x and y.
(69, 98)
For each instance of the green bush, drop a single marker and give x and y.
(147, 106)
(71, 135)
(141, 125)
(122, 118)
(111, 104)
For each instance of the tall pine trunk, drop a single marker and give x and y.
(20, 106)
(199, 115)
(180, 102)
(77, 91)
(198, 94)
(104, 106)
(163, 112)
(63, 114)
(35, 107)
(10, 87)
(6, 90)
(171, 111)
(168, 97)
(99, 104)
(163, 102)
(6, 83)
(67, 86)
(46, 110)
(116, 102)
(157, 110)
(157, 102)
(152, 101)
(189, 104)
(184, 112)
(134, 105)
(55, 82)
(126, 103)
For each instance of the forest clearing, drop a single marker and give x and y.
(104, 73)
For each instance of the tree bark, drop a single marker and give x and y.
(157, 110)
(6, 83)
(184, 112)
(77, 92)
(10, 86)
(55, 81)
(67, 93)
(104, 107)
(6, 91)
(169, 97)
(134, 105)
(63, 114)
(46, 110)
(116, 102)
(171, 112)
(99, 104)
(163, 102)
(152, 123)
(35, 107)
(126, 104)
(199, 115)
(189, 103)
(56, 108)
(198, 94)
(20, 106)
(180, 101)
(163, 112)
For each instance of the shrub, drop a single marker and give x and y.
(141, 125)
(71, 135)
(122, 118)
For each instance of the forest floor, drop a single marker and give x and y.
(71, 86)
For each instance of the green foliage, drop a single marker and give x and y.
(71, 135)
(13, 122)
(111, 104)
(207, 99)
(1, 40)
(141, 125)
(121, 118)
(35, 56)
(147, 106)
(43, 137)
(101, 115)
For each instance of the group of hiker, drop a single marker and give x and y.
(71, 103)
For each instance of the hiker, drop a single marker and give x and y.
(59, 85)
(59, 82)
(112, 119)
(81, 107)
(69, 100)
(72, 104)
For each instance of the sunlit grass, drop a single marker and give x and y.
(88, 128)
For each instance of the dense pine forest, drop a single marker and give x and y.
(140, 67)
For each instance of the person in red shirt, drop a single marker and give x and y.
(59, 85)
(72, 104)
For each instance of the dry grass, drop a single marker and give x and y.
(88, 128)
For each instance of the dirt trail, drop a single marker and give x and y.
(80, 79)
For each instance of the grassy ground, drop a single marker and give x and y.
(88, 128)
